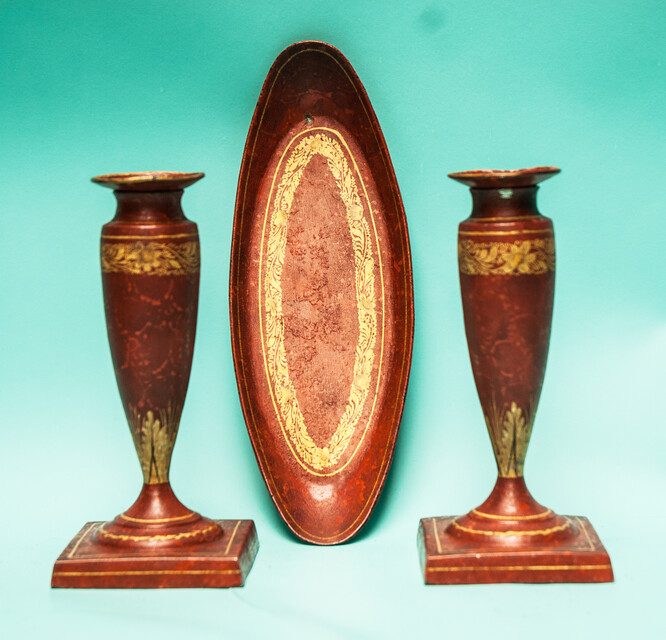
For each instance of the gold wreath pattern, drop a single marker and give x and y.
(312, 455)
(151, 258)
(521, 257)
(510, 432)
(154, 438)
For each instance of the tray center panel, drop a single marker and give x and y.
(321, 300)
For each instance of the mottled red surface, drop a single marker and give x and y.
(508, 318)
(151, 320)
(508, 311)
(312, 90)
(319, 301)
(150, 298)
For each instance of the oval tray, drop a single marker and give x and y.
(321, 300)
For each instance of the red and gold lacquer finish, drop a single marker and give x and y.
(506, 255)
(320, 294)
(150, 275)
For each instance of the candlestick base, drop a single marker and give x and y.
(222, 562)
(451, 559)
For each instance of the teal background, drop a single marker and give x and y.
(96, 87)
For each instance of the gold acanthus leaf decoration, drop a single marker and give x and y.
(510, 433)
(154, 439)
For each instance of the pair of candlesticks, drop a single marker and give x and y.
(150, 267)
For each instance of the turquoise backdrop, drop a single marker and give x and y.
(95, 87)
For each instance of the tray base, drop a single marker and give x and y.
(446, 559)
(225, 562)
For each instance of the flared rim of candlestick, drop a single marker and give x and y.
(500, 178)
(148, 180)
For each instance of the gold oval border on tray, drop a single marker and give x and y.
(287, 436)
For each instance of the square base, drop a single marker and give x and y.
(446, 559)
(225, 562)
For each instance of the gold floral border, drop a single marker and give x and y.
(319, 458)
(521, 257)
(151, 258)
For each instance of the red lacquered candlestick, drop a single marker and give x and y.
(150, 274)
(506, 256)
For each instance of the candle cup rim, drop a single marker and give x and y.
(504, 178)
(148, 180)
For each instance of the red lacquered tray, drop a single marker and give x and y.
(322, 314)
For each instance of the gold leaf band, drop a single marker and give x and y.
(521, 257)
(151, 258)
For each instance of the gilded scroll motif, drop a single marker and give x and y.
(151, 258)
(510, 433)
(154, 439)
(521, 257)
(319, 458)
